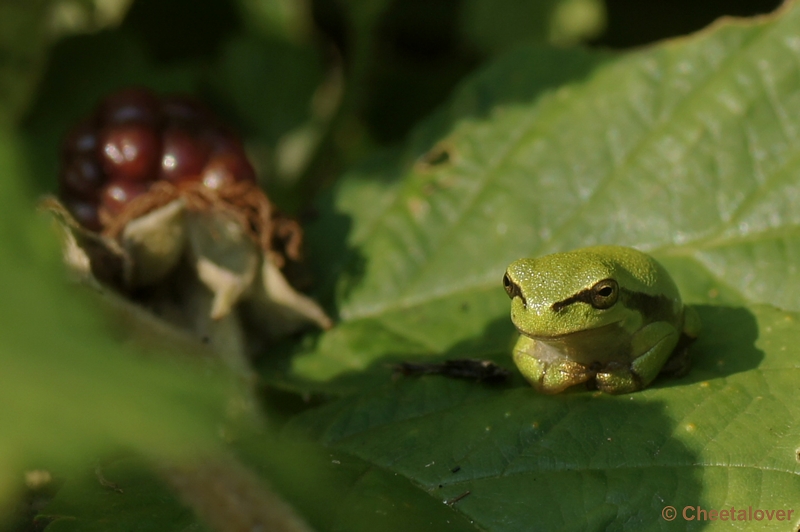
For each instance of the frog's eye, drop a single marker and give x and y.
(604, 294)
(512, 289)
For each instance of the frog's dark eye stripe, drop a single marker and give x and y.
(584, 296)
(512, 289)
(602, 295)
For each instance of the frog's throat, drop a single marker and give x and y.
(581, 332)
(598, 345)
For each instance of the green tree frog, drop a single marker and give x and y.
(608, 316)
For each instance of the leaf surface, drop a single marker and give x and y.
(686, 150)
(137, 501)
(724, 436)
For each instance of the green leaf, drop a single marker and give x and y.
(687, 150)
(337, 491)
(724, 436)
(23, 43)
(269, 83)
(75, 386)
(138, 500)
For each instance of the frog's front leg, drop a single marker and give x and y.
(547, 374)
(651, 347)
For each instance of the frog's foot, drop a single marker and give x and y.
(679, 363)
(548, 376)
(617, 378)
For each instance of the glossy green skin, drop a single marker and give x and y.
(619, 349)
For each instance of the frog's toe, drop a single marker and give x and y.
(678, 364)
(618, 380)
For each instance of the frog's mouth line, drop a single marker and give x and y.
(581, 332)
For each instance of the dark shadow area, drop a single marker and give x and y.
(419, 57)
(415, 57)
(493, 344)
(283, 405)
(726, 346)
(180, 30)
(635, 23)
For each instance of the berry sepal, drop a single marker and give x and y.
(206, 261)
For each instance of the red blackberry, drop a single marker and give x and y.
(185, 112)
(129, 152)
(82, 177)
(226, 168)
(134, 139)
(184, 155)
(133, 105)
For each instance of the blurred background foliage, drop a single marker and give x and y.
(314, 86)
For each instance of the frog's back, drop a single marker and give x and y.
(637, 270)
